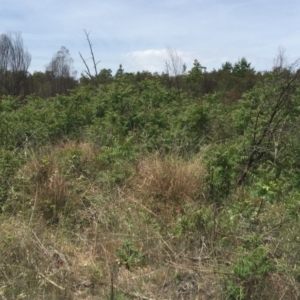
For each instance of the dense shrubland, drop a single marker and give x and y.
(147, 186)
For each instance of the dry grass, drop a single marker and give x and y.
(170, 179)
(43, 188)
(155, 237)
(30, 266)
(166, 184)
(54, 179)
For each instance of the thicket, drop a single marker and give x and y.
(147, 186)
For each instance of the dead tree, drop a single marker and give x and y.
(174, 66)
(60, 72)
(93, 78)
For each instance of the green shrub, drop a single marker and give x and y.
(128, 255)
(249, 274)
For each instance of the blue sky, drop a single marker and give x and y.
(135, 33)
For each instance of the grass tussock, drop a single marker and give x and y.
(170, 179)
(167, 184)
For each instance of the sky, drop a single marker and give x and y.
(136, 33)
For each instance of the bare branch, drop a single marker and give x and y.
(14, 63)
(174, 63)
(87, 67)
(272, 114)
(88, 72)
(92, 52)
(174, 66)
(60, 72)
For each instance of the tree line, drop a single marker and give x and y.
(59, 76)
(15, 80)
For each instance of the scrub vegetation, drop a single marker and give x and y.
(180, 185)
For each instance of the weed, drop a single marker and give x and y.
(128, 255)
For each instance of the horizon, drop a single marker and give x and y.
(136, 33)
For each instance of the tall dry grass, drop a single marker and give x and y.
(167, 184)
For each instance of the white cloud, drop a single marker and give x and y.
(153, 60)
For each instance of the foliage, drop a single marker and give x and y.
(128, 255)
(9, 164)
(250, 271)
(191, 182)
(268, 112)
(221, 162)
